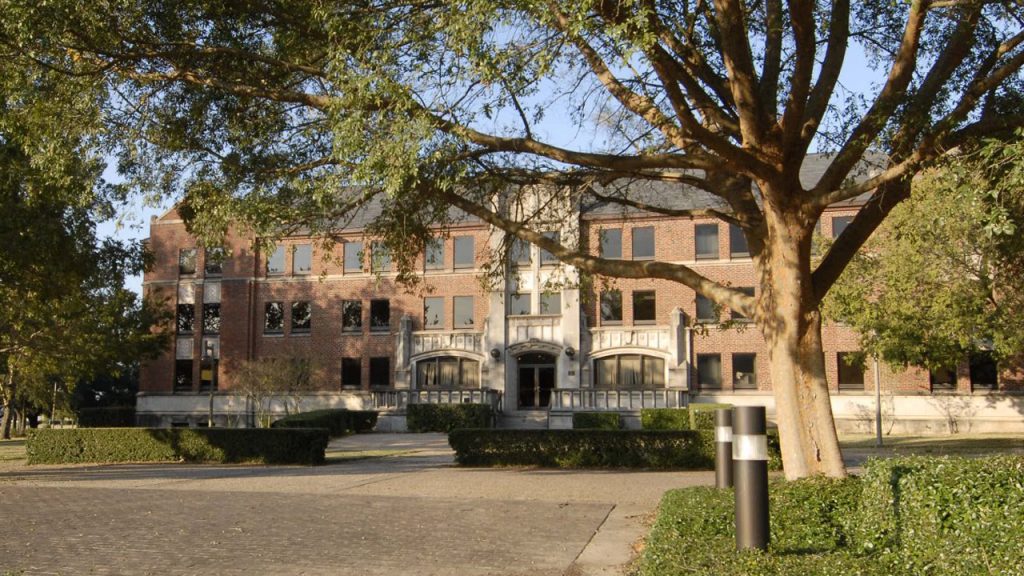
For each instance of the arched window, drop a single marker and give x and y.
(447, 372)
(629, 372)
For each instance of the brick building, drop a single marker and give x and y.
(538, 345)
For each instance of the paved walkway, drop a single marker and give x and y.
(414, 513)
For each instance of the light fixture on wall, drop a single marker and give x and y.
(495, 353)
(570, 352)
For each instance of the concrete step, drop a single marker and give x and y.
(524, 419)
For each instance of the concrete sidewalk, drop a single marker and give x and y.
(414, 513)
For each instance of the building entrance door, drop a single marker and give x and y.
(536, 380)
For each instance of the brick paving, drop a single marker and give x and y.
(415, 514)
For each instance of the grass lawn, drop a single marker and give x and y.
(337, 456)
(12, 450)
(955, 445)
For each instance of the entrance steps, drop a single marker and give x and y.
(528, 419)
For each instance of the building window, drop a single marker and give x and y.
(351, 316)
(433, 313)
(709, 371)
(275, 264)
(211, 318)
(738, 247)
(182, 375)
(273, 318)
(433, 254)
(186, 318)
(520, 252)
(462, 314)
(551, 303)
(736, 316)
(611, 243)
(448, 372)
(380, 257)
(942, 380)
(302, 259)
(214, 264)
(644, 307)
(380, 372)
(187, 261)
(464, 255)
(519, 305)
(744, 371)
(839, 223)
(353, 257)
(851, 371)
(643, 243)
(984, 373)
(706, 237)
(380, 315)
(611, 307)
(206, 376)
(706, 310)
(547, 258)
(302, 317)
(351, 372)
(629, 371)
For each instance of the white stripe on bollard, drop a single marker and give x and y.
(723, 434)
(749, 447)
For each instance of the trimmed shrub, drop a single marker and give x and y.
(665, 419)
(338, 422)
(943, 515)
(108, 417)
(658, 449)
(209, 445)
(447, 417)
(596, 421)
(903, 516)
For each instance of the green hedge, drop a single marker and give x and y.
(213, 445)
(580, 448)
(701, 417)
(596, 420)
(338, 422)
(109, 417)
(447, 417)
(903, 516)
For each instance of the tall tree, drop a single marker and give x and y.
(272, 111)
(64, 312)
(940, 279)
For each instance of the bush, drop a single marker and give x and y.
(596, 421)
(904, 516)
(944, 515)
(447, 417)
(665, 419)
(338, 422)
(701, 417)
(579, 448)
(108, 417)
(211, 445)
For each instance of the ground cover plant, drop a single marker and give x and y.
(208, 445)
(903, 516)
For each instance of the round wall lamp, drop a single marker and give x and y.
(495, 353)
(570, 351)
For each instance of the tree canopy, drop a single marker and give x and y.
(288, 114)
(940, 279)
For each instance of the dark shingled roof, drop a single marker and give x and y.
(676, 196)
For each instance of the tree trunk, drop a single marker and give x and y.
(790, 320)
(8, 400)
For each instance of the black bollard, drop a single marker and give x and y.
(750, 471)
(723, 448)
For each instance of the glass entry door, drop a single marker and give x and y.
(536, 380)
